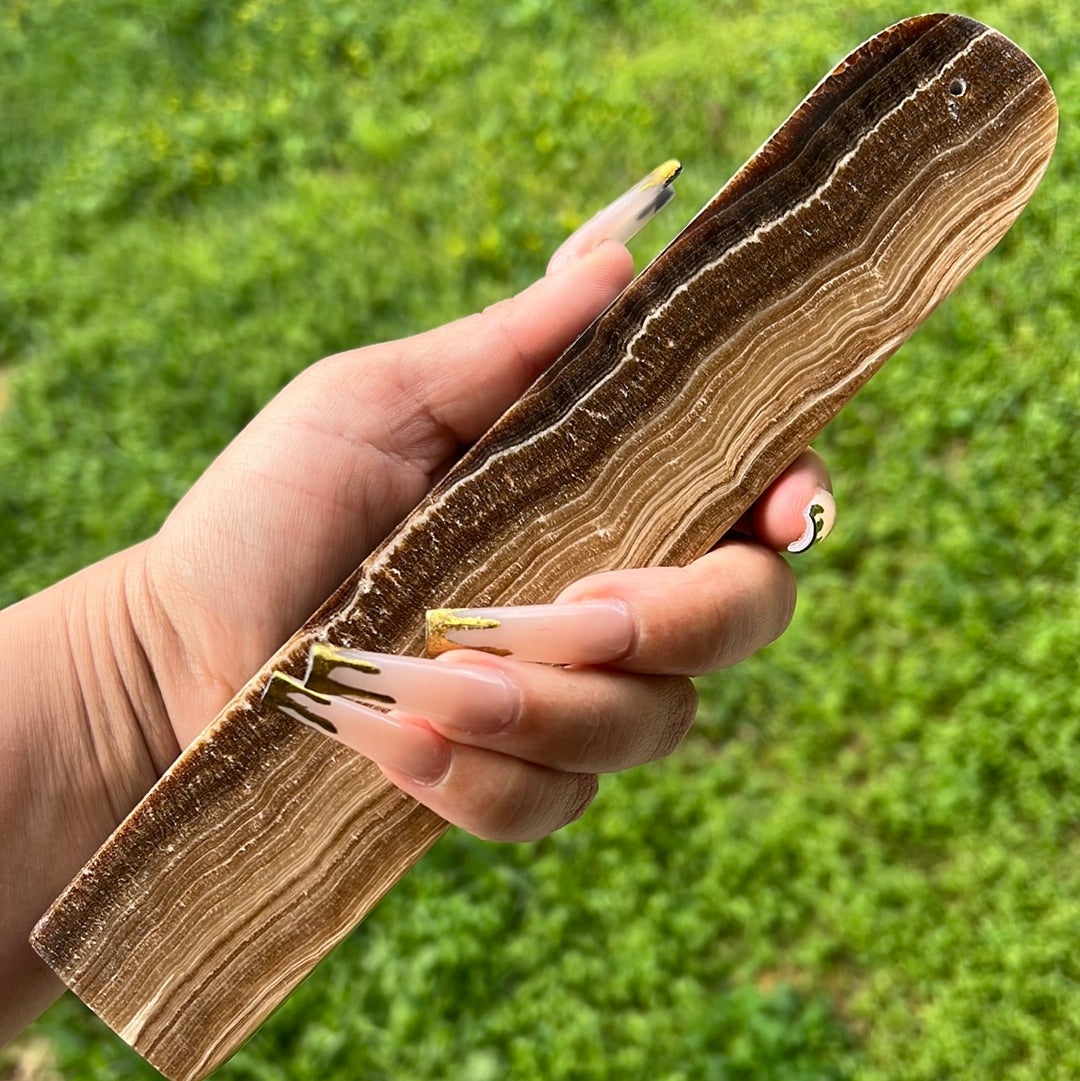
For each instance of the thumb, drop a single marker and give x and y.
(468, 373)
(478, 367)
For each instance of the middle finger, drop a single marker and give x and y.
(579, 719)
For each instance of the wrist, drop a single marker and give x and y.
(84, 736)
(109, 616)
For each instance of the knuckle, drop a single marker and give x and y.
(589, 751)
(531, 810)
(759, 617)
(585, 790)
(678, 713)
(505, 818)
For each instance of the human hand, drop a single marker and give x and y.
(507, 749)
(346, 450)
(323, 474)
(155, 640)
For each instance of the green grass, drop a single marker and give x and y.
(864, 863)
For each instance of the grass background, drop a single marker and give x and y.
(863, 863)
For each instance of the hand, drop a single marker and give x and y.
(146, 647)
(339, 458)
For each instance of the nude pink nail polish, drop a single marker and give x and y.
(468, 697)
(587, 632)
(621, 219)
(394, 742)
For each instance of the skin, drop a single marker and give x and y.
(108, 674)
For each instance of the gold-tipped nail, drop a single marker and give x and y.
(583, 632)
(622, 219)
(662, 176)
(290, 696)
(324, 660)
(628, 215)
(439, 623)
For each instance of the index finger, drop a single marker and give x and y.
(659, 620)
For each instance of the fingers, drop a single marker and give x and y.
(494, 795)
(712, 614)
(520, 763)
(500, 798)
(798, 510)
(505, 749)
(509, 749)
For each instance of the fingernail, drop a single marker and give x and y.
(589, 632)
(622, 219)
(470, 698)
(819, 517)
(397, 744)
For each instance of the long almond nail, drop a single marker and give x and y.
(589, 632)
(622, 219)
(471, 698)
(819, 517)
(395, 743)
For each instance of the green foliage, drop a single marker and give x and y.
(863, 863)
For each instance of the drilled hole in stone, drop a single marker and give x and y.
(958, 88)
